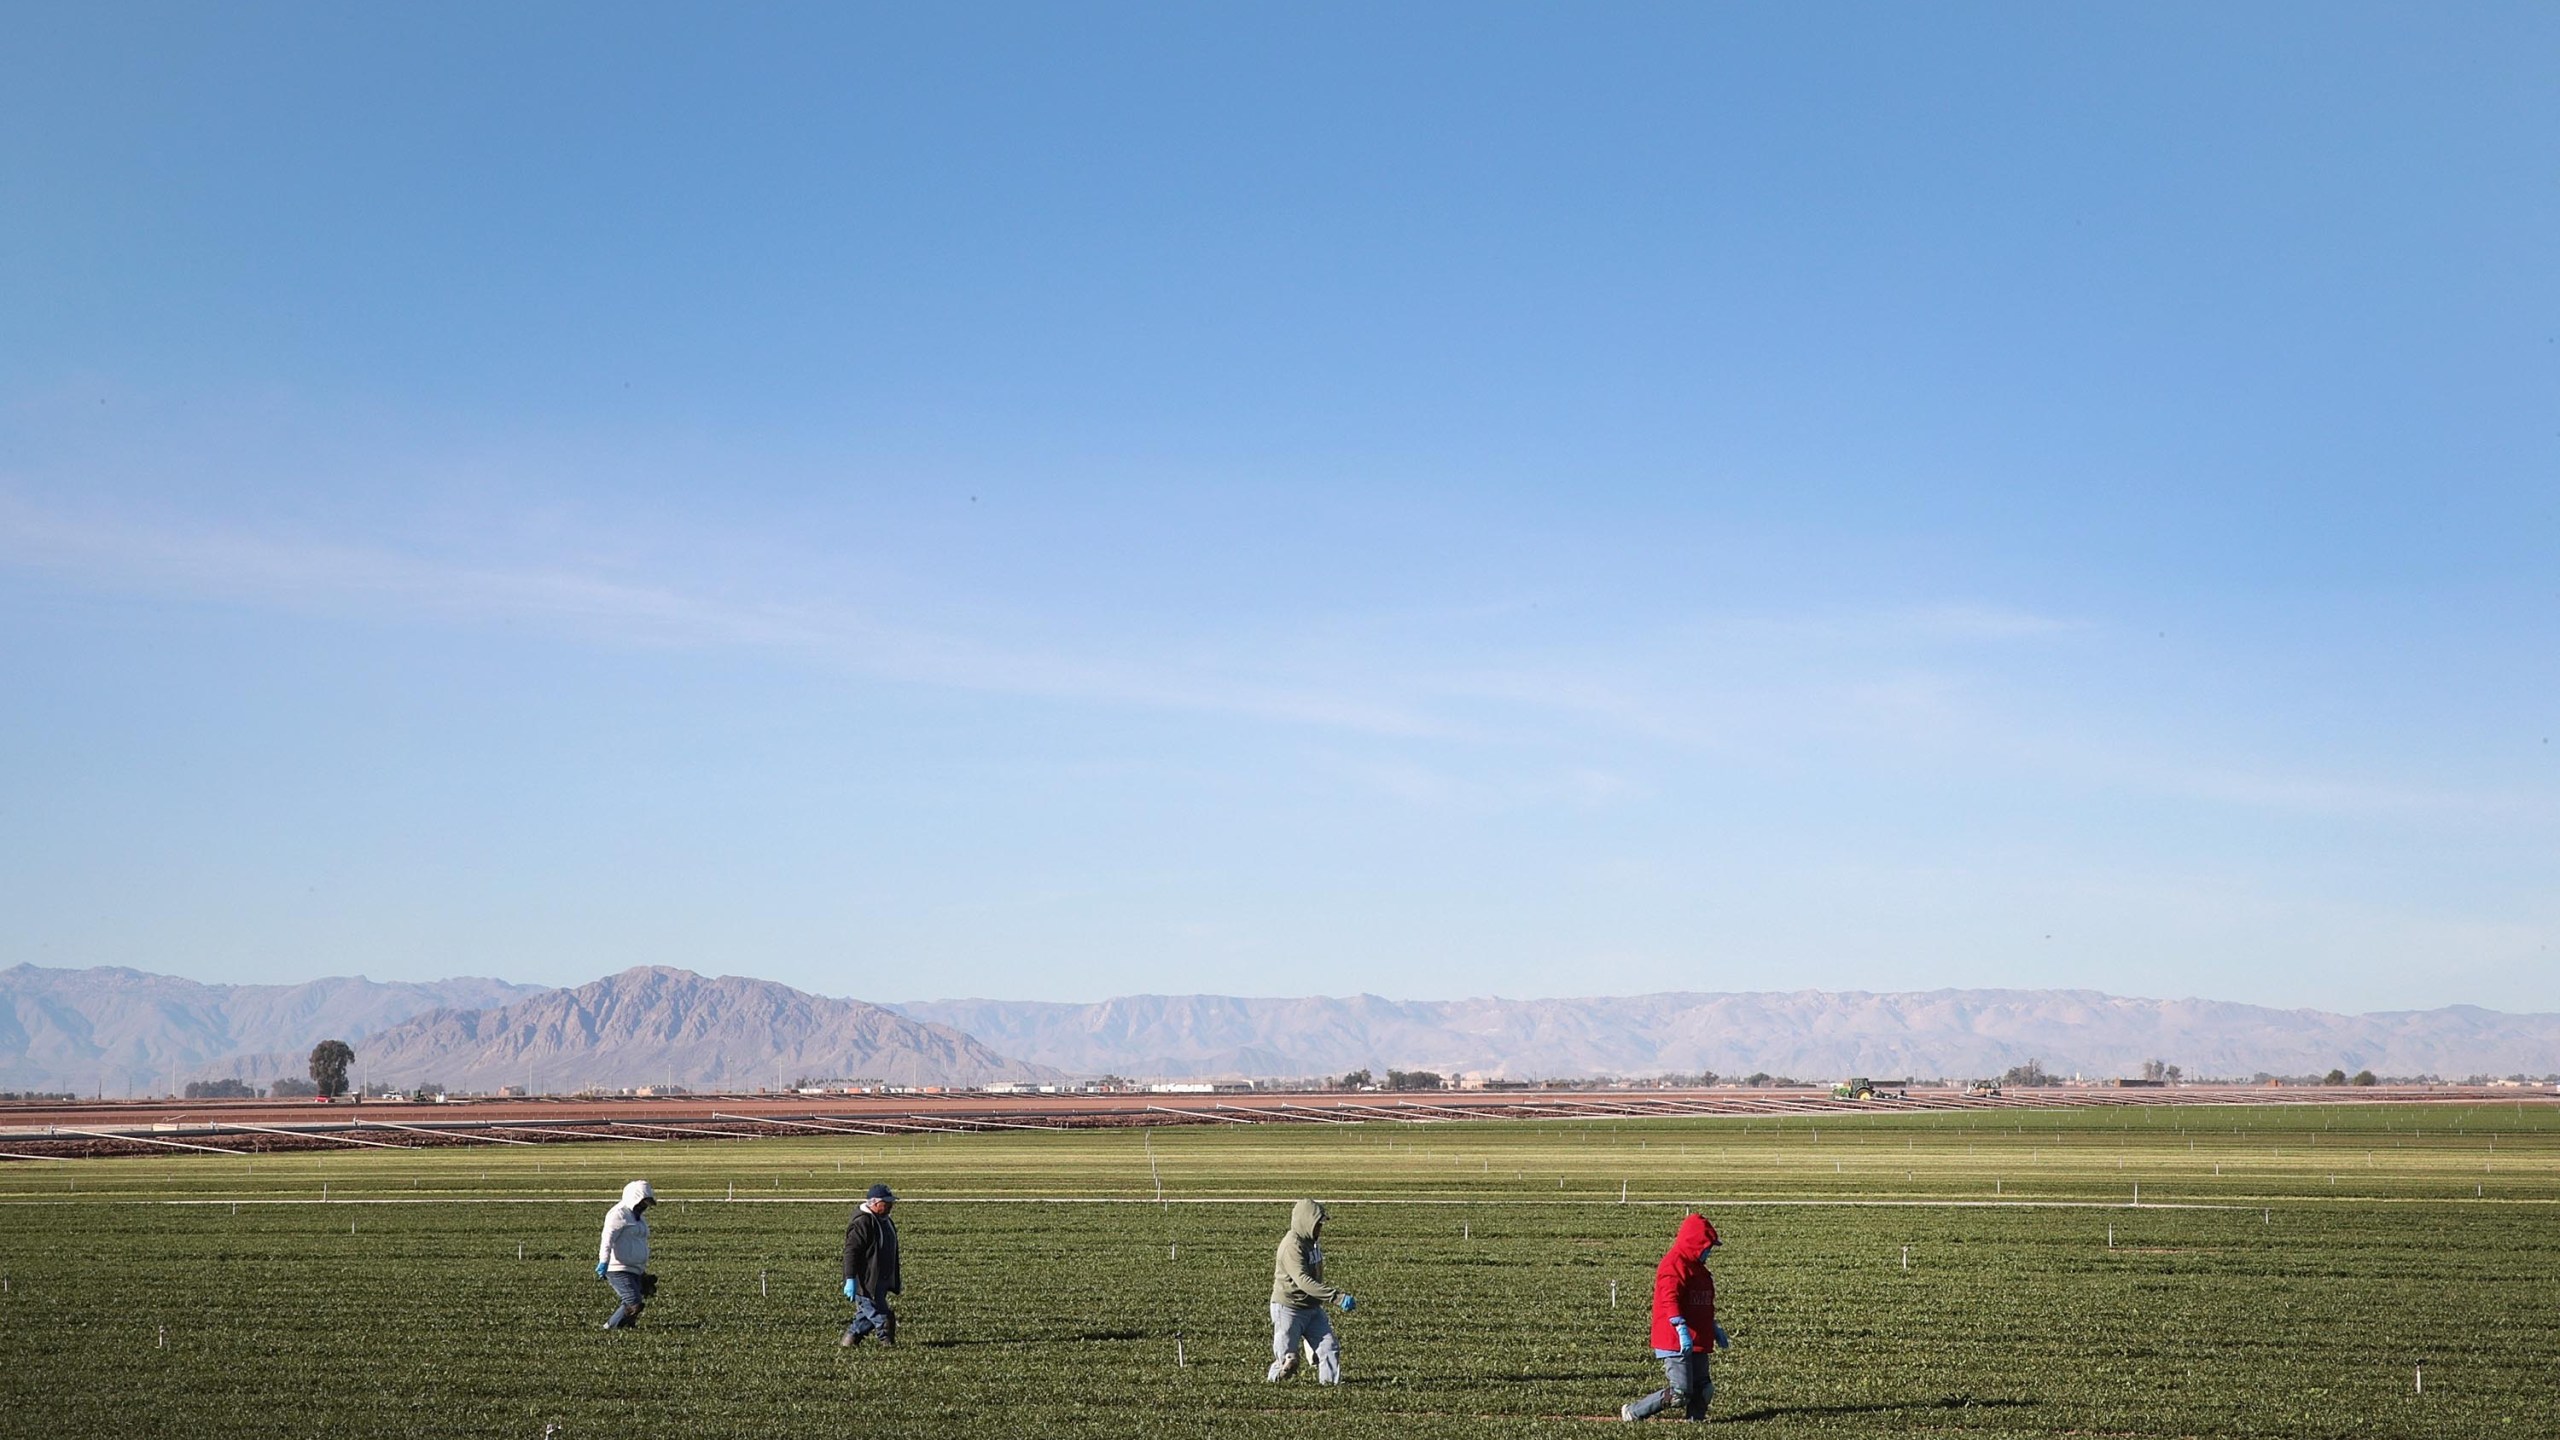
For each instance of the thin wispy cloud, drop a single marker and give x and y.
(315, 576)
(1719, 685)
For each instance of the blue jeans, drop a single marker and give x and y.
(871, 1315)
(1690, 1384)
(626, 1288)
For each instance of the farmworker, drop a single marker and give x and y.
(1298, 1294)
(1684, 1322)
(871, 1268)
(622, 1256)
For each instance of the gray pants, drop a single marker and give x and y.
(1690, 1384)
(1289, 1327)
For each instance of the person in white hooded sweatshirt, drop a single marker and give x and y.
(622, 1256)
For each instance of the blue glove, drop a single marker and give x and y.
(599, 1269)
(1346, 1302)
(1688, 1343)
(850, 1290)
(1722, 1341)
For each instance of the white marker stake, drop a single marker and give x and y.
(1613, 1294)
(1466, 1229)
(1622, 1192)
(164, 1337)
(1906, 1257)
(1179, 1361)
(519, 1249)
(2422, 1379)
(760, 1288)
(733, 1189)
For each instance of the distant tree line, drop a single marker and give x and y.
(1396, 1080)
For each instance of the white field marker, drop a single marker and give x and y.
(2422, 1379)
(1906, 1257)
(760, 1286)
(1180, 1361)
(1173, 1251)
(164, 1337)
(733, 1189)
(1466, 1229)
(2111, 1237)
(1613, 1294)
(519, 1249)
(1622, 1192)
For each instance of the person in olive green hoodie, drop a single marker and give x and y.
(1298, 1294)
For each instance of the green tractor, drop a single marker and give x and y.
(1859, 1087)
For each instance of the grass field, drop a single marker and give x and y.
(2286, 1273)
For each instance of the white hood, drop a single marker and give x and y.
(625, 1242)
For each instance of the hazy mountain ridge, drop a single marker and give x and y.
(77, 1029)
(655, 1024)
(1807, 1033)
(110, 1027)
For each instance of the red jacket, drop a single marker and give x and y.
(1682, 1287)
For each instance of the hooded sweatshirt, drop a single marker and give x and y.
(625, 1245)
(1684, 1294)
(1297, 1272)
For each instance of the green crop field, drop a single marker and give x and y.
(2286, 1272)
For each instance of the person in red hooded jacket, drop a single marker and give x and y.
(1684, 1323)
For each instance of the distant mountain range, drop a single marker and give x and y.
(115, 1030)
(126, 1031)
(1806, 1033)
(654, 1024)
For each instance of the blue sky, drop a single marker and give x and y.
(1058, 501)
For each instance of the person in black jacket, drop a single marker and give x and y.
(871, 1268)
